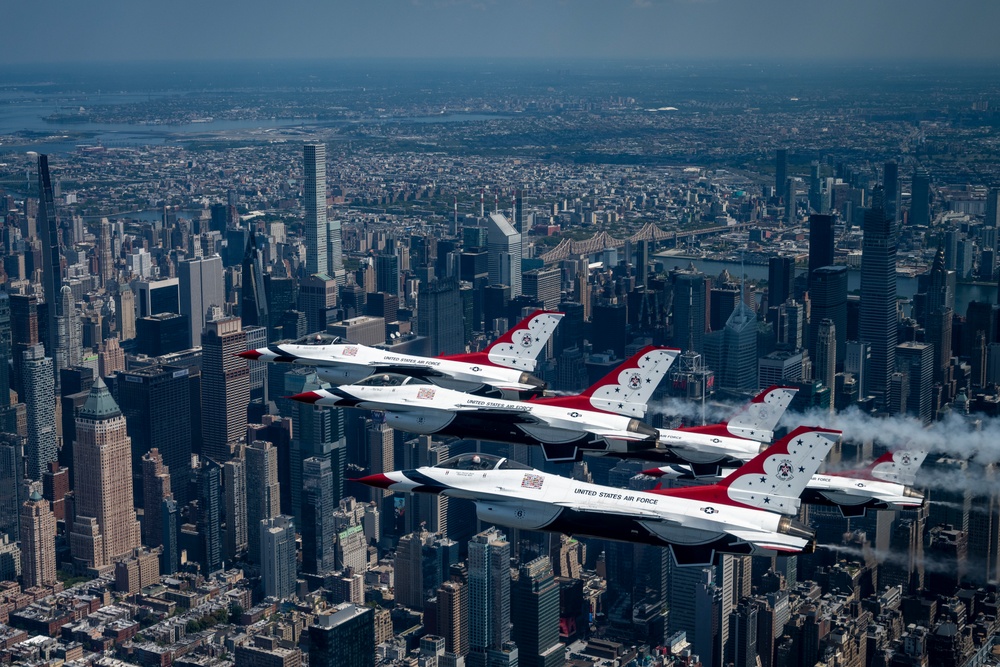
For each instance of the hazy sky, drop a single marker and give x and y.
(61, 30)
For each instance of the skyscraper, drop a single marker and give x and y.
(780, 280)
(780, 171)
(11, 483)
(156, 489)
(535, 596)
(39, 398)
(917, 361)
(992, 218)
(38, 542)
(821, 241)
(105, 529)
(504, 247)
(317, 526)
(105, 261)
(689, 310)
(828, 294)
(314, 202)
(48, 231)
(23, 334)
(6, 359)
(234, 482)
(489, 596)
(452, 615)
(253, 298)
(439, 317)
(826, 352)
(202, 288)
(920, 198)
(410, 586)
(732, 352)
(857, 361)
(209, 478)
(69, 341)
(343, 636)
(387, 274)
(156, 402)
(263, 491)
(225, 387)
(878, 297)
(317, 298)
(335, 252)
(893, 191)
(277, 557)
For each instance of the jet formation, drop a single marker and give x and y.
(747, 490)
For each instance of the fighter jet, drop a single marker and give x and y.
(564, 426)
(739, 515)
(885, 484)
(501, 370)
(705, 449)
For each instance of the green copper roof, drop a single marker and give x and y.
(100, 404)
(35, 496)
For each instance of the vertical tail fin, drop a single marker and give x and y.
(625, 390)
(758, 418)
(899, 467)
(519, 347)
(775, 478)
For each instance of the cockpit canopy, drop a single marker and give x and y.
(390, 380)
(481, 462)
(320, 339)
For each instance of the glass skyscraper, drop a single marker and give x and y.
(877, 325)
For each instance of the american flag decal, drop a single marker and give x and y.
(531, 481)
(350, 351)
(425, 393)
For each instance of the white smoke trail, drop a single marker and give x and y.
(890, 558)
(691, 411)
(954, 436)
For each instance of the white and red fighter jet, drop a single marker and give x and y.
(505, 366)
(739, 515)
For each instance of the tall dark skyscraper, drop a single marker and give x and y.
(535, 596)
(821, 242)
(917, 361)
(828, 294)
(253, 303)
(689, 310)
(317, 527)
(156, 403)
(48, 230)
(780, 280)
(878, 297)
(780, 171)
(24, 334)
(343, 636)
(210, 515)
(920, 198)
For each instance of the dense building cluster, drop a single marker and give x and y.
(163, 501)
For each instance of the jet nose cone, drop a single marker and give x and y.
(378, 480)
(252, 355)
(653, 472)
(306, 397)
